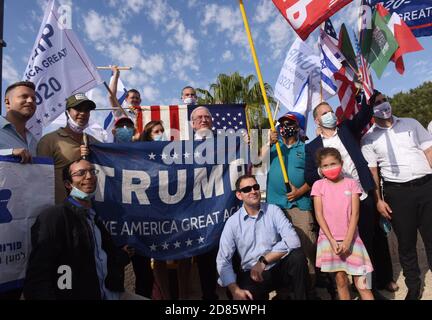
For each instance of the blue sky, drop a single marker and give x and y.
(174, 43)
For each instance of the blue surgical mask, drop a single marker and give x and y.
(159, 137)
(81, 195)
(124, 134)
(329, 120)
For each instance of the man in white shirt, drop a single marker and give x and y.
(402, 150)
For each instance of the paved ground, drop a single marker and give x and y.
(399, 295)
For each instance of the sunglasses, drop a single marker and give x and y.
(248, 189)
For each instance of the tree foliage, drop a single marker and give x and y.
(417, 104)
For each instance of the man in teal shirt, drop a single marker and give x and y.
(296, 204)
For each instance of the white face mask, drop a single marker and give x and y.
(75, 127)
(383, 111)
(159, 137)
(190, 100)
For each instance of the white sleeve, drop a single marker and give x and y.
(423, 136)
(6, 152)
(368, 151)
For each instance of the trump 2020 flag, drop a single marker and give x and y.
(305, 15)
(25, 189)
(168, 200)
(59, 67)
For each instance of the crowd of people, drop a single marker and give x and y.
(328, 221)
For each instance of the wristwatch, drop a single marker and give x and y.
(262, 259)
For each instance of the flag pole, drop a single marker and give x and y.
(263, 91)
(114, 99)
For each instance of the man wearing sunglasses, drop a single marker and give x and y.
(268, 247)
(402, 150)
(72, 238)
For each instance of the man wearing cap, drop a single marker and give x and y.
(296, 204)
(402, 150)
(124, 130)
(15, 139)
(67, 144)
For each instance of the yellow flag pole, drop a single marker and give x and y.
(263, 91)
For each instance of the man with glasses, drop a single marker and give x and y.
(73, 256)
(268, 247)
(402, 150)
(67, 144)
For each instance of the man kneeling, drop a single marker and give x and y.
(71, 237)
(267, 244)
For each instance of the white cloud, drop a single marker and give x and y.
(279, 35)
(10, 74)
(137, 39)
(150, 95)
(135, 5)
(153, 64)
(264, 11)
(227, 56)
(102, 28)
(192, 3)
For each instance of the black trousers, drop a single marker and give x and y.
(206, 263)
(289, 272)
(376, 243)
(143, 275)
(412, 211)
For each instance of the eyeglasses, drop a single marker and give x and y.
(248, 189)
(83, 172)
(202, 117)
(377, 102)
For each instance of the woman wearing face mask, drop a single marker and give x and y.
(153, 131)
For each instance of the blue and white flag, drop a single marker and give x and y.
(417, 14)
(168, 200)
(25, 189)
(331, 57)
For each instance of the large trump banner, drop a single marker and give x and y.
(168, 200)
(25, 189)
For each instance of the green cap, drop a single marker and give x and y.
(79, 99)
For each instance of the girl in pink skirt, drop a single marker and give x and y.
(340, 249)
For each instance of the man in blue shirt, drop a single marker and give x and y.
(15, 139)
(268, 247)
(296, 204)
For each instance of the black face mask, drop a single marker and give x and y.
(288, 130)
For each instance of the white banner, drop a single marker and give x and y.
(58, 66)
(24, 190)
(300, 64)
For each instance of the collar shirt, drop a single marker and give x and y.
(10, 139)
(349, 169)
(252, 237)
(100, 255)
(398, 150)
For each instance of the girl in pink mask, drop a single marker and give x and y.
(340, 249)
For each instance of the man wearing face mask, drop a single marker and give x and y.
(296, 204)
(189, 96)
(124, 130)
(402, 150)
(66, 144)
(345, 138)
(72, 234)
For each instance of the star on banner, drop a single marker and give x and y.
(164, 156)
(186, 155)
(152, 156)
(188, 242)
(153, 247)
(165, 246)
(176, 244)
(200, 240)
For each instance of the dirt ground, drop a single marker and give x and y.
(399, 295)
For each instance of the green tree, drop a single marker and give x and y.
(235, 88)
(417, 103)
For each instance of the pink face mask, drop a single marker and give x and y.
(332, 173)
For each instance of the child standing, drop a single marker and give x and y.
(340, 249)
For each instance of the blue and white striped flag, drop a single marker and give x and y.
(331, 57)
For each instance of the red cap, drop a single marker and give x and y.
(123, 118)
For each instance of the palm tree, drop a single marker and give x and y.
(235, 88)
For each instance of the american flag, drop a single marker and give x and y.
(366, 77)
(176, 118)
(346, 93)
(331, 57)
